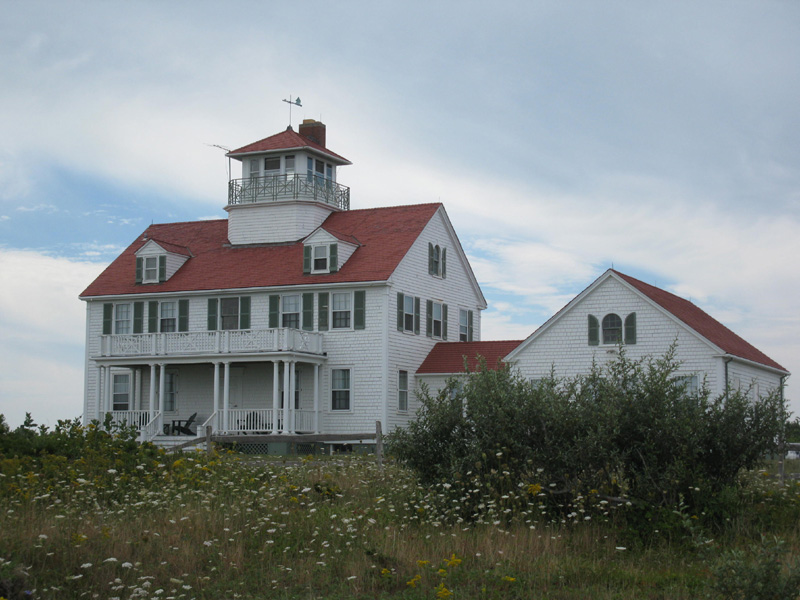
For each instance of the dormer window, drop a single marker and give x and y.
(150, 269)
(323, 258)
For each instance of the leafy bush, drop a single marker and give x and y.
(764, 574)
(627, 434)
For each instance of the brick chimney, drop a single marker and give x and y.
(313, 130)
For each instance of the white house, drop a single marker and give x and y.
(294, 296)
(617, 311)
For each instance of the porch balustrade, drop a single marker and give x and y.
(289, 186)
(127, 418)
(153, 427)
(199, 343)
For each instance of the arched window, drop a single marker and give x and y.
(630, 328)
(612, 329)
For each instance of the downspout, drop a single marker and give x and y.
(726, 361)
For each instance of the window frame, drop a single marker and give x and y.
(299, 312)
(146, 269)
(435, 321)
(170, 391)
(162, 319)
(117, 320)
(606, 329)
(348, 398)
(222, 316)
(115, 377)
(326, 250)
(402, 391)
(349, 311)
(408, 314)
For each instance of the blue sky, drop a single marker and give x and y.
(563, 137)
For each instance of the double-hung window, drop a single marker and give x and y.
(340, 389)
(402, 391)
(122, 318)
(408, 313)
(150, 269)
(320, 258)
(122, 390)
(168, 318)
(341, 310)
(229, 313)
(170, 391)
(436, 320)
(290, 311)
(464, 325)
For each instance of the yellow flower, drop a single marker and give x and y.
(386, 573)
(422, 563)
(414, 581)
(534, 488)
(452, 561)
(509, 579)
(442, 572)
(442, 592)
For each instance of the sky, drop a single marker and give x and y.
(563, 137)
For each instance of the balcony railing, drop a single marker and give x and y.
(288, 187)
(199, 343)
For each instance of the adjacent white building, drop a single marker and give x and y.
(618, 311)
(294, 314)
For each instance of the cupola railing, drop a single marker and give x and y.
(272, 188)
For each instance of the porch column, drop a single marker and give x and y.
(226, 395)
(216, 394)
(152, 402)
(99, 393)
(137, 384)
(107, 390)
(162, 386)
(287, 402)
(276, 392)
(316, 398)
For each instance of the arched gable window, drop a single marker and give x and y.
(594, 331)
(630, 328)
(612, 329)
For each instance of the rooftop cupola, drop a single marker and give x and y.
(288, 186)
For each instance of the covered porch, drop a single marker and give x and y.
(175, 399)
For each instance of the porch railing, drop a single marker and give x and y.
(127, 418)
(189, 343)
(153, 427)
(304, 420)
(291, 186)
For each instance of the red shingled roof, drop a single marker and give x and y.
(448, 357)
(385, 234)
(702, 323)
(286, 140)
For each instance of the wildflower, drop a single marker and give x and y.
(86, 565)
(42, 536)
(126, 565)
(351, 578)
(509, 579)
(442, 592)
(414, 581)
(442, 572)
(453, 561)
(110, 560)
(534, 489)
(422, 563)
(621, 548)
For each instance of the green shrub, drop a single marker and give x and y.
(763, 574)
(629, 434)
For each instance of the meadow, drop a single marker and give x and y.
(98, 516)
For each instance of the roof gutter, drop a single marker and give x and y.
(729, 357)
(240, 155)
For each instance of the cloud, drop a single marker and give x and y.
(42, 325)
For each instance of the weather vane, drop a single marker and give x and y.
(296, 102)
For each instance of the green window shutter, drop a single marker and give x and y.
(429, 318)
(139, 269)
(322, 311)
(244, 312)
(594, 331)
(162, 268)
(108, 318)
(274, 311)
(400, 312)
(212, 313)
(138, 317)
(308, 311)
(444, 321)
(359, 309)
(416, 316)
(444, 263)
(469, 326)
(333, 258)
(430, 258)
(183, 315)
(152, 317)
(630, 328)
(306, 259)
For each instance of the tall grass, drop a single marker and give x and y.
(144, 524)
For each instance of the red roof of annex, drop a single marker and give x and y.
(449, 357)
(702, 323)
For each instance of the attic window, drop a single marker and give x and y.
(320, 258)
(151, 269)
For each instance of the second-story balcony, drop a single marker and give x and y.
(208, 343)
(290, 186)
